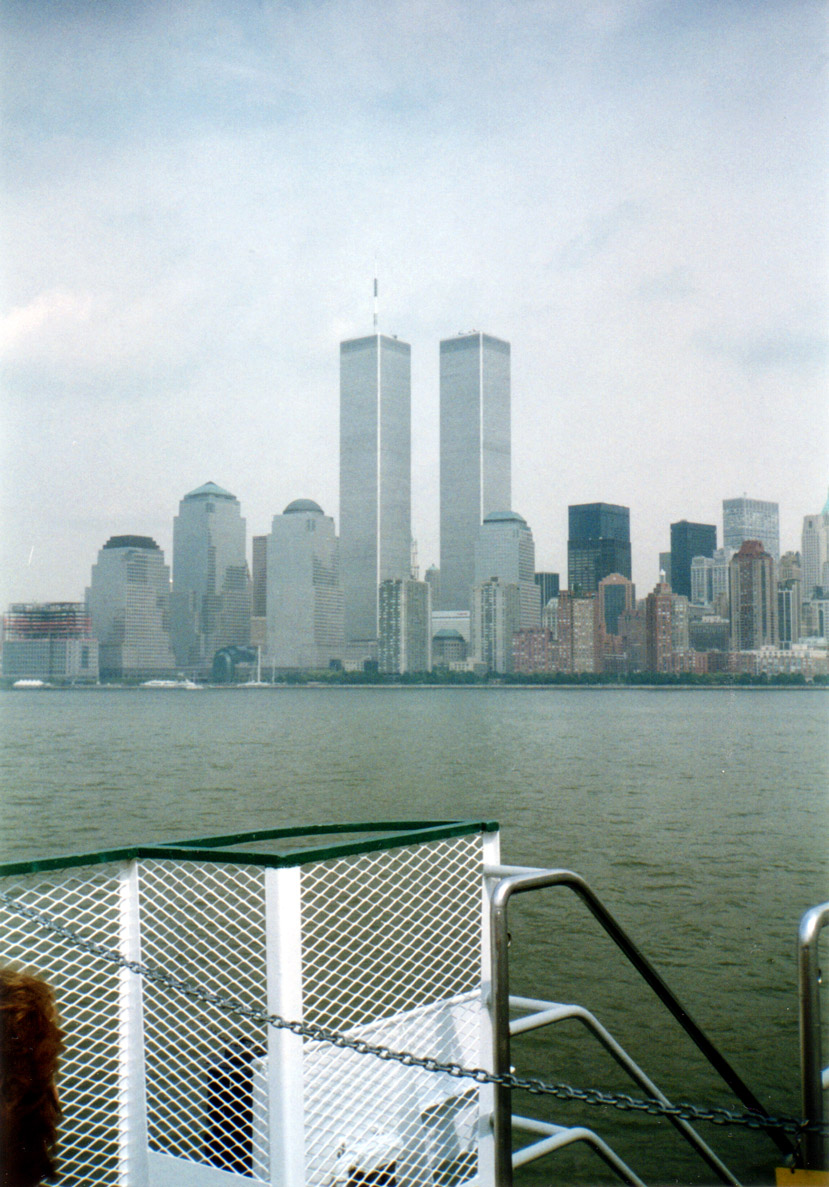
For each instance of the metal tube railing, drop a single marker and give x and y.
(811, 1054)
(557, 1136)
(548, 1013)
(517, 880)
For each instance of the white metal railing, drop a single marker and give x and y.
(387, 945)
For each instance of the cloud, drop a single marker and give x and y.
(600, 234)
(48, 319)
(783, 350)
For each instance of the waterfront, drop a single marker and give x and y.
(699, 817)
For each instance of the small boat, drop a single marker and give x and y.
(186, 684)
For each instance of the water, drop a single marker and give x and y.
(699, 817)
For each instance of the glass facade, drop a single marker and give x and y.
(505, 550)
(375, 475)
(751, 519)
(129, 606)
(211, 584)
(304, 594)
(598, 544)
(475, 453)
(687, 541)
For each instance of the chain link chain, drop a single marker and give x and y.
(321, 1034)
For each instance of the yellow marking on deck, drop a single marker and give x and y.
(797, 1177)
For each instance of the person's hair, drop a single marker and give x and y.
(30, 1042)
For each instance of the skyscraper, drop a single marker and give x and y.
(659, 644)
(751, 519)
(375, 475)
(129, 606)
(579, 634)
(210, 607)
(405, 641)
(304, 595)
(814, 552)
(687, 541)
(494, 618)
(753, 597)
(598, 544)
(505, 550)
(615, 595)
(475, 466)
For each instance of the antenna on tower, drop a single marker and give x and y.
(375, 295)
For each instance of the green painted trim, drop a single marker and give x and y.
(403, 827)
(401, 833)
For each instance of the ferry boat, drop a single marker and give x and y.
(322, 1007)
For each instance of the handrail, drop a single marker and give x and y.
(556, 1136)
(551, 1012)
(811, 1055)
(516, 880)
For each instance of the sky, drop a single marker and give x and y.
(194, 194)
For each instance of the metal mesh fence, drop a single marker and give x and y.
(205, 924)
(391, 953)
(388, 950)
(87, 994)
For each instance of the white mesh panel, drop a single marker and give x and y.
(87, 996)
(391, 953)
(204, 923)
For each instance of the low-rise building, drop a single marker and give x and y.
(49, 641)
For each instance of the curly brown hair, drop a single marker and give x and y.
(30, 1042)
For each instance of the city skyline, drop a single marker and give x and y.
(630, 194)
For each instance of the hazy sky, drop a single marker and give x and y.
(633, 193)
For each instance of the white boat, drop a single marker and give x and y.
(186, 684)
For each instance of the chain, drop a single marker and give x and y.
(751, 1119)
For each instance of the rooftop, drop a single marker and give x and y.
(303, 506)
(210, 491)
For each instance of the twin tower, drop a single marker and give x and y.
(375, 465)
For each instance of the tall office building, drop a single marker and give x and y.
(814, 552)
(259, 576)
(687, 541)
(375, 475)
(751, 519)
(494, 618)
(548, 585)
(210, 606)
(598, 544)
(505, 550)
(578, 633)
(475, 466)
(615, 595)
(789, 605)
(659, 633)
(405, 641)
(128, 600)
(304, 595)
(753, 596)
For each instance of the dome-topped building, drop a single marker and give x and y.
(210, 606)
(303, 505)
(505, 550)
(304, 599)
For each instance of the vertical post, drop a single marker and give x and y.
(811, 1056)
(502, 1115)
(132, 1098)
(486, 1092)
(283, 923)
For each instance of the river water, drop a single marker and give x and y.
(700, 817)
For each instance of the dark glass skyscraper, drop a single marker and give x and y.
(687, 541)
(474, 453)
(598, 544)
